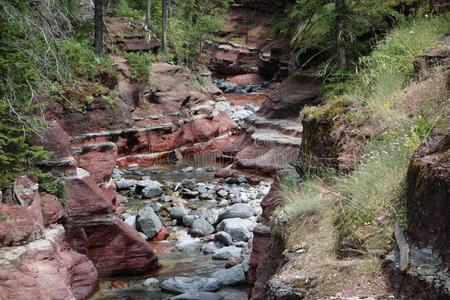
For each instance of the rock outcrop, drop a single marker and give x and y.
(45, 269)
(34, 259)
(427, 203)
(244, 50)
(273, 136)
(266, 255)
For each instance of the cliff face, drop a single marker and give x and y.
(428, 201)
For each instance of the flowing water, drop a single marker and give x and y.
(182, 257)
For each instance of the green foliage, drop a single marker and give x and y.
(390, 63)
(381, 74)
(301, 202)
(369, 200)
(48, 184)
(3, 218)
(140, 63)
(190, 26)
(124, 9)
(312, 27)
(111, 98)
(16, 154)
(83, 62)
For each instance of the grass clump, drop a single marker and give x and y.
(368, 201)
(302, 202)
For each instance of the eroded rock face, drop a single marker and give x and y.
(98, 159)
(22, 223)
(116, 248)
(44, 269)
(100, 116)
(266, 254)
(288, 98)
(57, 141)
(52, 209)
(113, 246)
(428, 201)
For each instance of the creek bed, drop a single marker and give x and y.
(183, 255)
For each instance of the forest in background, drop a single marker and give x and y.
(46, 50)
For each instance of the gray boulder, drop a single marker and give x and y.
(151, 282)
(239, 210)
(222, 193)
(131, 220)
(202, 189)
(227, 252)
(148, 222)
(211, 169)
(123, 184)
(165, 198)
(189, 184)
(122, 199)
(198, 296)
(232, 276)
(239, 229)
(152, 189)
(187, 170)
(124, 216)
(224, 238)
(117, 174)
(178, 213)
(211, 216)
(201, 227)
(233, 261)
(181, 285)
(143, 236)
(209, 248)
(188, 220)
(156, 206)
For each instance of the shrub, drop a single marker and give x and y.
(48, 184)
(123, 9)
(83, 62)
(140, 63)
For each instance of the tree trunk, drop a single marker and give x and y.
(171, 2)
(340, 33)
(98, 31)
(164, 26)
(149, 13)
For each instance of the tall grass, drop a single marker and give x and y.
(392, 57)
(366, 202)
(390, 65)
(303, 202)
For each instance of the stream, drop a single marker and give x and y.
(192, 188)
